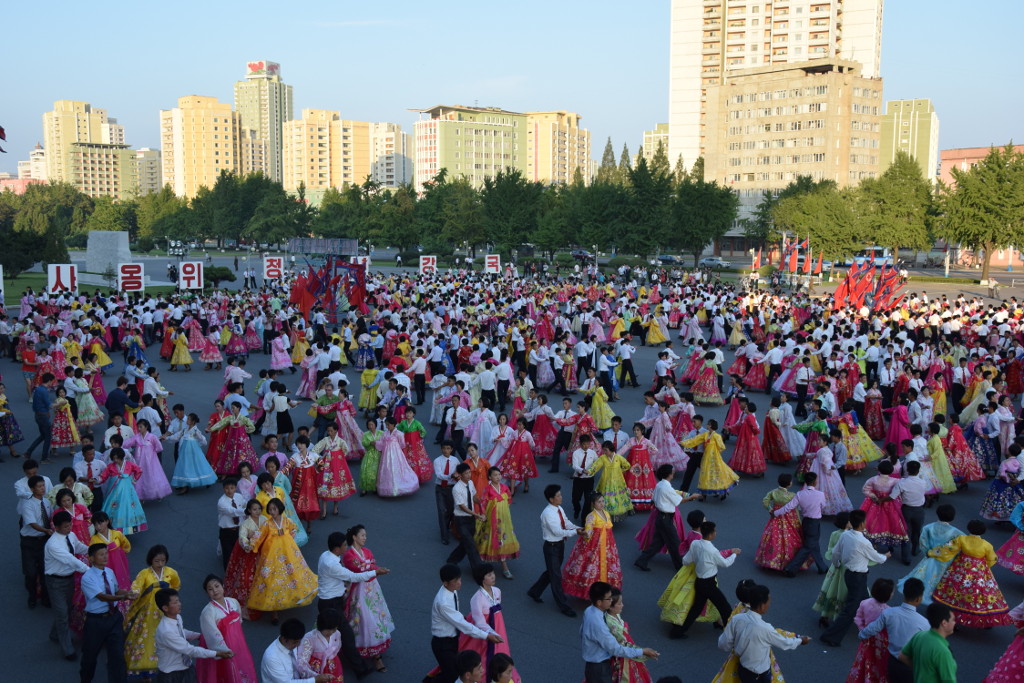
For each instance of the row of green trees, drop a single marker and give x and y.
(982, 210)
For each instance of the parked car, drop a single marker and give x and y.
(581, 255)
(714, 262)
(666, 260)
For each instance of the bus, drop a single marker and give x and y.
(876, 256)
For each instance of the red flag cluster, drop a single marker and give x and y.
(860, 282)
(334, 279)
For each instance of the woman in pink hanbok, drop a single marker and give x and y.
(210, 351)
(348, 430)
(153, 484)
(365, 607)
(667, 449)
(317, 653)
(829, 483)
(394, 477)
(221, 625)
(899, 423)
(884, 525)
(307, 385)
(279, 356)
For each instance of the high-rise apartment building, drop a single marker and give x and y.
(391, 153)
(322, 150)
(35, 166)
(556, 147)
(653, 138)
(771, 124)
(911, 126)
(264, 102)
(472, 142)
(73, 122)
(711, 38)
(198, 139)
(148, 171)
(102, 170)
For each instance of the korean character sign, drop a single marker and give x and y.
(273, 267)
(428, 265)
(361, 261)
(130, 277)
(190, 275)
(492, 264)
(61, 277)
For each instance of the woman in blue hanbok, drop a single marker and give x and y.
(934, 535)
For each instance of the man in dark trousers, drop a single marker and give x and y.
(564, 436)
(810, 501)
(555, 528)
(853, 552)
(103, 629)
(707, 560)
(666, 499)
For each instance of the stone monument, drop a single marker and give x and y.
(105, 249)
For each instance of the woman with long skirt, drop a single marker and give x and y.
(336, 483)
(118, 547)
(395, 477)
(317, 653)
(782, 535)
(496, 538)
(305, 481)
(221, 625)
(640, 475)
(930, 570)
(518, 465)
(365, 608)
(143, 615)
(624, 669)
(282, 579)
(370, 463)
(122, 503)
(241, 567)
(594, 557)
(968, 586)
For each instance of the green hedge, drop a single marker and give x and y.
(564, 259)
(949, 280)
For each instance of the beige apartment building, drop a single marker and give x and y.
(198, 139)
(323, 150)
(102, 170)
(148, 170)
(768, 125)
(73, 122)
(911, 126)
(653, 138)
(711, 38)
(390, 155)
(556, 147)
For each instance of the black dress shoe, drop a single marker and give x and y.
(788, 574)
(568, 611)
(641, 567)
(445, 541)
(535, 598)
(71, 657)
(828, 642)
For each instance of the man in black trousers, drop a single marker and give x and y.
(853, 552)
(555, 528)
(666, 499)
(104, 625)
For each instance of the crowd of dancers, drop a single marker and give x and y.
(466, 384)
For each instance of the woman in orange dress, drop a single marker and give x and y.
(595, 557)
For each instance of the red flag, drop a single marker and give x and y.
(757, 261)
(792, 260)
(817, 268)
(782, 253)
(807, 262)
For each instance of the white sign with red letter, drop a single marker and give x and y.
(273, 267)
(131, 277)
(190, 276)
(61, 277)
(428, 265)
(492, 264)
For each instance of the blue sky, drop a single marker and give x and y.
(374, 61)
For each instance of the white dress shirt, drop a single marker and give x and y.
(854, 552)
(173, 651)
(335, 577)
(752, 639)
(279, 666)
(446, 621)
(440, 465)
(230, 510)
(59, 560)
(555, 525)
(911, 490)
(706, 558)
(463, 493)
(582, 461)
(666, 498)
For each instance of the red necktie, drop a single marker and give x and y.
(112, 607)
(561, 518)
(447, 471)
(88, 475)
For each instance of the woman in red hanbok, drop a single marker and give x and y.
(705, 388)
(748, 456)
(218, 438)
(518, 465)
(899, 426)
(595, 557)
(884, 525)
(640, 475)
(874, 421)
(871, 664)
(756, 378)
(317, 653)
(415, 451)
(773, 443)
(336, 483)
(305, 481)
(237, 448)
(782, 535)
(544, 430)
(221, 626)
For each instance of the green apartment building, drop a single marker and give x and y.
(472, 142)
(911, 126)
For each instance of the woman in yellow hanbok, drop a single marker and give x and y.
(655, 333)
(282, 579)
(736, 337)
(143, 616)
(612, 484)
(73, 350)
(815, 358)
(729, 673)
(300, 346)
(617, 327)
(367, 396)
(180, 354)
(716, 478)
(600, 411)
(102, 359)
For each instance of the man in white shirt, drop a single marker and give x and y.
(419, 377)
(446, 622)
(751, 638)
(706, 559)
(583, 458)
(456, 420)
(61, 565)
(804, 375)
(555, 528)
(488, 381)
(625, 351)
(465, 517)
(665, 499)
(174, 654)
(35, 512)
(230, 511)
(911, 490)
(445, 478)
(503, 374)
(334, 578)
(279, 664)
(853, 552)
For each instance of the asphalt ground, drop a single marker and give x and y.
(404, 537)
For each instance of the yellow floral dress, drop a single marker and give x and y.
(180, 355)
(142, 619)
(599, 408)
(729, 673)
(282, 579)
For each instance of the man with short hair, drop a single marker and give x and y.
(853, 552)
(465, 516)
(103, 627)
(446, 622)
(61, 565)
(279, 664)
(555, 528)
(900, 624)
(751, 638)
(598, 643)
(928, 653)
(175, 657)
(42, 407)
